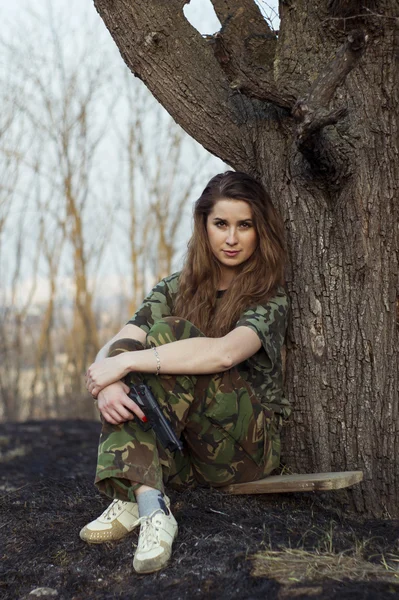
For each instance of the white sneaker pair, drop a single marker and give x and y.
(157, 533)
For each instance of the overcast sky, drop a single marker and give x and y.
(199, 12)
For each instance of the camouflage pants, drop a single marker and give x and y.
(228, 435)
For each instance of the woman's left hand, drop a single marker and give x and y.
(106, 371)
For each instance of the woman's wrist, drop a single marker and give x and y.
(128, 362)
(147, 361)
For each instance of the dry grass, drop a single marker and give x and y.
(6, 456)
(292, 566)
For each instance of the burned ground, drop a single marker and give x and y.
(240, 547)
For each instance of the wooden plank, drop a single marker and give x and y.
(277, 484)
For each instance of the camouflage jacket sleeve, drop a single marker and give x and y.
(269, 321)
(157, 305)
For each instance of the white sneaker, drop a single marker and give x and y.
(157, 533)
(119, 519)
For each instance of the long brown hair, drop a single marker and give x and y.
(256, 279)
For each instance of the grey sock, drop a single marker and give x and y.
(151, 501)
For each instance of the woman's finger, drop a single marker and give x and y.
(114, 404)
(110, 419)
(119, 413)
(107, 417)
(133, 407)
(117, 420)
(123, 413)
(126, 388)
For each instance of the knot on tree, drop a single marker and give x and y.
(152, 39)
(357, 40)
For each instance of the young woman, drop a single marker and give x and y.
(207, 342)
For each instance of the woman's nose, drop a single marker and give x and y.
(232, 237)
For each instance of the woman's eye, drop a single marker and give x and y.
(245, 225)
(220, 224)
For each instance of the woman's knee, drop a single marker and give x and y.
(163, 331)
(124, 345)
(171, 329)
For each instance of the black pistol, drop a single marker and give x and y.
(144, 398)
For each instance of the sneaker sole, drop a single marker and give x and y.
(104, 540)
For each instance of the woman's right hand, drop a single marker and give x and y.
(115, 405)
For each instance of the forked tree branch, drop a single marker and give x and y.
(179, 67)
(312, 112)
(226, 8)
(245, 48)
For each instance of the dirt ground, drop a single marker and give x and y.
(239, 547)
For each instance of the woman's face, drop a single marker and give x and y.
(232, 235)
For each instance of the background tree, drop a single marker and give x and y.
(55, 95)
(311, 110)
(94, 183)
(14, 328)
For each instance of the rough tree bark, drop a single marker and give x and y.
(314, 113)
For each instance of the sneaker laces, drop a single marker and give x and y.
(111, 510)
(149, 529)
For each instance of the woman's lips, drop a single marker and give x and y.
(231, 253)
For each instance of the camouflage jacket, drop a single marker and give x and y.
(263, 371)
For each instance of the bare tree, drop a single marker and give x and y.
(313, 112)
(48, 380)
(60, 108)
(99, 181)
(13, 258)
(153, 151)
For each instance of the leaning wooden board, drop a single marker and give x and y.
(277, 484)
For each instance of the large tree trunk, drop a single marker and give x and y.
(334, 177)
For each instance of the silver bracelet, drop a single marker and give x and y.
(157, 359)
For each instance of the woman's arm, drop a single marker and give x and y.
(185, 357)
(197, 355)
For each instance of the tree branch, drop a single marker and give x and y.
(312, 112)
(245, 48)
(225, 9)
(162, 48)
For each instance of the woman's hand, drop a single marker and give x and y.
(106, 371)
(115, 405)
